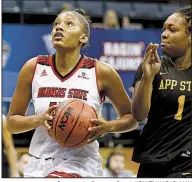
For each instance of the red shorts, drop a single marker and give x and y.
(57, 174)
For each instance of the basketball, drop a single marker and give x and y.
(70, 124)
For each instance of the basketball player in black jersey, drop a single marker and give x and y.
(163, 91)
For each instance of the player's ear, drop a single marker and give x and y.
(84, 38)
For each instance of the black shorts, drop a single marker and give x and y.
(179, 167)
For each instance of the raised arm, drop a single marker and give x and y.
(17, 121)
(143, 89)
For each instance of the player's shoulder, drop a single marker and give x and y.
(31, 63)
(101, 67)
(28, 69)
(104, 69)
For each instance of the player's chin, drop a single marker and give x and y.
(167, 52)
(172, 55)
(58, 45)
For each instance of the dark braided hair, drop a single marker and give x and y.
(186, 13)
(85, 19)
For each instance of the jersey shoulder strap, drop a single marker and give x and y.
(44, 60)
(88, 63)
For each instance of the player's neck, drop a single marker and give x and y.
(66, 61)
(183, 62)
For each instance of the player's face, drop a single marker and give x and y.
(117, 164)
(67, 31)
(175, 37)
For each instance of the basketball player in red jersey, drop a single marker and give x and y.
(48, 80)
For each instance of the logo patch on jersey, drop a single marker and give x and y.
(163, 73)
(186, 154)
(83, 75)
(43, 73)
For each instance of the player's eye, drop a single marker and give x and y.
(70, 23)
(173, 30)
(55, 23)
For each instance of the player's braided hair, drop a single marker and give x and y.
(85, 19)
(186, 13)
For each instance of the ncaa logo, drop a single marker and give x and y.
(6, 52)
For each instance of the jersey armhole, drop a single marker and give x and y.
(34, 69)
(101, 96)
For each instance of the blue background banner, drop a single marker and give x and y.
(122, 49)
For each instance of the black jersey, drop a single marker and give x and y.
(168, 130)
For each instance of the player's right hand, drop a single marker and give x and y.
(46, 117)
(151, 62)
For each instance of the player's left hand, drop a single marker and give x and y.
(100, 127)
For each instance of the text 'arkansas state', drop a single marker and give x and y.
(61, 93)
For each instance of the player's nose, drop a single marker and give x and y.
(59, 28)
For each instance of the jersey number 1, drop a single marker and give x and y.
(181, 101)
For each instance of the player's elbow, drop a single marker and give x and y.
(134, 124)
(131, 124)
(10, 126)
(137, 115)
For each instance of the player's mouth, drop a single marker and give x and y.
(58, 36)
(164, 44)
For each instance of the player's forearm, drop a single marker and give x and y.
(19, 124)
(142, 99)
(124, 124)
